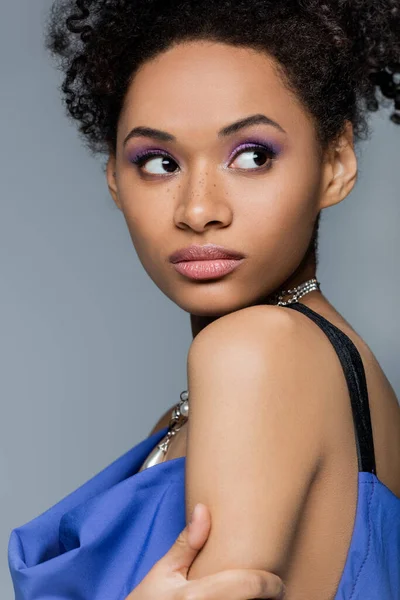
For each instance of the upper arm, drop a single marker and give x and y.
(254, 437)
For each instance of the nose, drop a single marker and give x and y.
(202, 203)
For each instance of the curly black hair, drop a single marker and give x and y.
(340, 57)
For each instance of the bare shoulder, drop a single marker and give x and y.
(271, 328)
(288, 347)
(249, 320)
(277, 330)
(282, 347)
(290, 359)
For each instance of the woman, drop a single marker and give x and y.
(228, 127)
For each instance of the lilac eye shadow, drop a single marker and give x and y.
(269, 146)
(138, 153)
(274, 148)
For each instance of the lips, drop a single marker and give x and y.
(207, 269)
(206, 252)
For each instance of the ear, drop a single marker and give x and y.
(112, 179)
(340, 169)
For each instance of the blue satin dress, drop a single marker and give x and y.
(101, 540)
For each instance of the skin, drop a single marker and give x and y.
(192, 91)
(168, 577)
(268, 214)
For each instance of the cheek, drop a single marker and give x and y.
(285, 207)
(139, 217)
(147, 229)
(280, 220)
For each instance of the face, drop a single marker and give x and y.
(256, 189)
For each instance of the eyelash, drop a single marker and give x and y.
(146, 155)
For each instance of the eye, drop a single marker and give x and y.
(255, 157)
(156, 161)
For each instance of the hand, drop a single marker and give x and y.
(167, 579)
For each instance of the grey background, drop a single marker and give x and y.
(91, 351)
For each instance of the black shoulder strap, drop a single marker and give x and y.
(356, 381)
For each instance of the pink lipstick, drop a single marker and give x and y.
(205, 262)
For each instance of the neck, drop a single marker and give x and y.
(305, 271)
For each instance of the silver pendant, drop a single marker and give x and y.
(157, 455)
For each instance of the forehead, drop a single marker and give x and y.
(200, 86)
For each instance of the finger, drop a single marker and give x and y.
(199, 527)
(187, 545)
(238, 584)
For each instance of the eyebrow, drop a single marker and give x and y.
(164, 136)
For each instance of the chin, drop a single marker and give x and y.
(211, 303)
